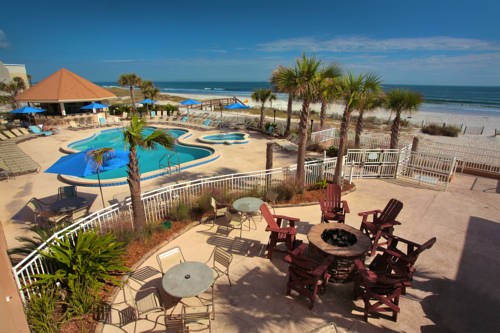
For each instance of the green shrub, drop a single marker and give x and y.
(435, 129)
(315, 147)
(180, 212)
(92, 257)
(42, 310)
(286, 190)
(268, 124)
(83, 298)
(202, 204)
(405, 123)
(332, 151)
(321, 184)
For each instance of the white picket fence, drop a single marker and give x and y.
(157, 204)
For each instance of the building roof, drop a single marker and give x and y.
(64, 86)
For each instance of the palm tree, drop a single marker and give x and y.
(32, 242)
(372, 101)
(283, 79)
(399, 101)
(349, 90)
(367, 101)
(307, 90)
(12, 88)
(262, 96)
(132, 81)
(134, 137)
(99, 155)
(30, 78)
(330, 73)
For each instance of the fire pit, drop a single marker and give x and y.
(342, 241)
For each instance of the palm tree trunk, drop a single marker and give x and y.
(132, 97)
(289, 114)
(359, 129)
(261, 122)
(395, 130)
(344, 126)
(301, 153)
(322, 115)
(100, 187)
(134, 182)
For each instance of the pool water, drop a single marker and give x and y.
(149, 160)
(224, 137)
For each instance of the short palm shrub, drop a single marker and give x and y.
(88, 256)
(332, 151)
(42, 310)
(180, 212)
(83, 298)
(435, 129)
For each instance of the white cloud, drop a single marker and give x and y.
(3, 40)
(364, 44)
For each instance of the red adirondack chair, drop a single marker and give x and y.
(332, 207)
(379, 293)
(278, 234)
(398, 263)
(382, 223)
(305, 275)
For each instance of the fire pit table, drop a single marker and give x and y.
(343, 242)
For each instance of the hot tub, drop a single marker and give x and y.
(225, 138)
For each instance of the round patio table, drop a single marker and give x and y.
(187, 279)
(247, 204)
(67, 205)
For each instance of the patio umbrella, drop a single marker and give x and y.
(27, 110)
(236, 106)
(147, 101)
(93, 106)
(190, 102)
(82, 164)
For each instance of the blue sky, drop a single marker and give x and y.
(406, 42)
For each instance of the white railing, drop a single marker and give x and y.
(427, 168)
(368, 142)
(372, 163)
(157, 204)
(468, 157)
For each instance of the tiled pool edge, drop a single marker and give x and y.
(145, 176)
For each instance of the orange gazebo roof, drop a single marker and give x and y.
(64, 86)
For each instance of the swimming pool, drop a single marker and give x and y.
(226, 138)
(152, 163)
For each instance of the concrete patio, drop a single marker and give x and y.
(454, 287)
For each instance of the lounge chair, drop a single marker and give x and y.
(17, 132)
(207, 122)
(102, 122)
(24, 131)
(184, 119)
(36, 130)
(3, 137)
(9, 134)
(5, 172)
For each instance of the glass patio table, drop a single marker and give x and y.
(246, 206)
(68, 205)
(187, 279)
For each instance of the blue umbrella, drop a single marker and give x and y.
(147, 101)
(237, 106)
(27, 109)
(82, 164)
(190, 102)
(94, 105)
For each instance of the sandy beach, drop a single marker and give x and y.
(490, 123)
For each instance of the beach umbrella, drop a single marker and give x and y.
(236, 106)
(147, 101)
(82, 164)
(190, 102)
(27, 109)
(93, 106)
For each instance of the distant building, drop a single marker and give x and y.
(10, 71)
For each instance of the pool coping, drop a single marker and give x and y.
(145, 176)
(227, 142)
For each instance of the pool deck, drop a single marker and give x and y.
(16, 192)
(454, 287)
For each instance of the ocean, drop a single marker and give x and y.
(483, 101)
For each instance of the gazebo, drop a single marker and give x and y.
(64, 92)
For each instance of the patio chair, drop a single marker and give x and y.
(221, 260)
(191, 319)
(332, 207)
(42, 212)
(382, 223)
(278, 233)
(144, 301)
(397, 263)
(79, 213)
(36, 130)
(219, 209)
(236, 221)
(170, 258)
(385, 292)
(305, 275)
(66, 192)
(104, 314)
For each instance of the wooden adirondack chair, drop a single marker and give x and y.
(305, 275)
(398, 263)
(383, 291)
(332, 207)
(382, 223)
(278, 234)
